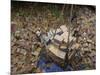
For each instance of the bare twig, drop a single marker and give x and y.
(66, 57)
(62, 13)
(70, 24)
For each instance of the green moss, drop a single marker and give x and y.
(54, 10)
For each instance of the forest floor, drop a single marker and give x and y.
(27, 17)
